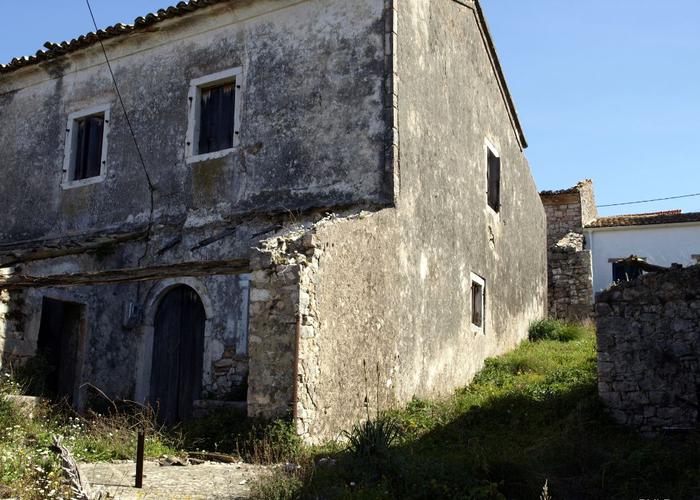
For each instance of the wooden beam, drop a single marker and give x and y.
(117, 276)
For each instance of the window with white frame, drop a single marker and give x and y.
(85, 158)
(214, 115)
(493, 177)
(478, 302)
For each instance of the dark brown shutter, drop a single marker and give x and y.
(494, 181)
(217, 108)
(88, 147)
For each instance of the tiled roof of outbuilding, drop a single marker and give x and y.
(54, 50)
(572, 190)
(669, 217)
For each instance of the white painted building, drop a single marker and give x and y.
(660, 238)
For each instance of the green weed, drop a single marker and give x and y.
(554, 329)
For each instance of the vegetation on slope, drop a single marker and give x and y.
(530, 417)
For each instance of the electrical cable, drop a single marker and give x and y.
(649, 201)
(151, 189)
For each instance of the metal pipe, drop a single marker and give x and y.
(140, 445)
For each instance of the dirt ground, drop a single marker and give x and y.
(208, 480)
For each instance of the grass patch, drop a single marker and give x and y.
(30, 469)
(255, 441)
(531, 417)
(554, 329)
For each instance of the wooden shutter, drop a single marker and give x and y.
(217, 106)
(494, 181)
(477, 304)
(88, 147)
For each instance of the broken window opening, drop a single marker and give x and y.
(493, 181)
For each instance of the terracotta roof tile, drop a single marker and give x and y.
(668, 217)
(54, 50)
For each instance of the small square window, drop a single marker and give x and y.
(493, 178)
(85, 156)
(214, 115)
(478, 303)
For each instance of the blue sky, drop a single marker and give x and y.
(607, 90)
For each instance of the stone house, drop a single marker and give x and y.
(324, 205)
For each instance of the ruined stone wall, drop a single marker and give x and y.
(563, 216)
(570, 280)
(15, 347)
(569, 262)
(649, 350)
(389, 314)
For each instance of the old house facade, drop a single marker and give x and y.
(321, 200)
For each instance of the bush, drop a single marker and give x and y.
(554, 329)
(373, 438)
(255, 441)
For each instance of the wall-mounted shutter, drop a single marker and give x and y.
(88, 147)
(216, 125)
(494, 181)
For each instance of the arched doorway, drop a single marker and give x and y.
(178, 352)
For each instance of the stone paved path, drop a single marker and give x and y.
(209, 480)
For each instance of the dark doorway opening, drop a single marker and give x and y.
(178, 352)
(58, 347)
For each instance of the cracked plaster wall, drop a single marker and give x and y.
(385, 304)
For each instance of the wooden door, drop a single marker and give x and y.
(178, 351)
(58, 344)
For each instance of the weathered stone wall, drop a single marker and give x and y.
(312, 120)
(569, 263)
(115, 356)
(15, 347)
(314, 131)
(563, 216)
(570, 290)
(389, 299)
(649, 350)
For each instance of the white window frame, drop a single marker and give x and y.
(489, 146)
(194, 98)
(72, 137)
(475, 278)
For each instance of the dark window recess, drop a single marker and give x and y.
(494, 181)
(625, 272)
(88, 147)
(217, 108)
(477, 304)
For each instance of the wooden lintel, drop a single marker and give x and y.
(116, 276)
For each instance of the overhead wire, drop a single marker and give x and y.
(650, 201)
(151, 188)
